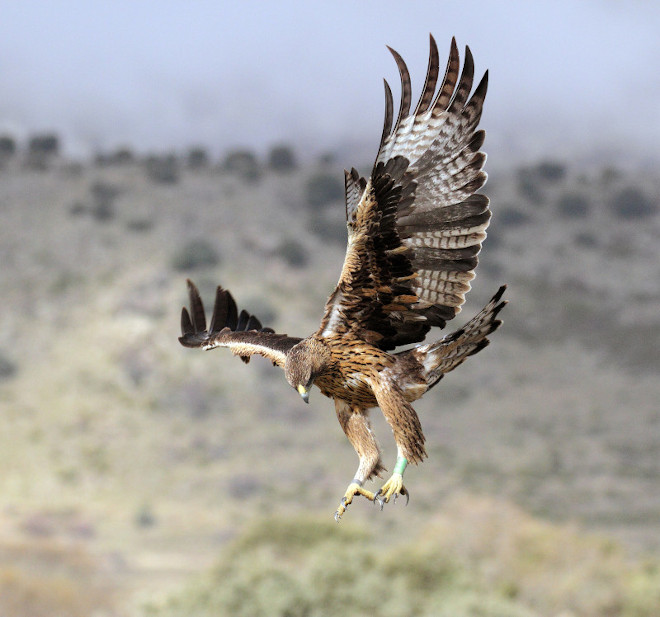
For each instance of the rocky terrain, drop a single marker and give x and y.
(128, 463)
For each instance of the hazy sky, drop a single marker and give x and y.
(564, 76)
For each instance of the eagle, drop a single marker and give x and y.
(415, 228)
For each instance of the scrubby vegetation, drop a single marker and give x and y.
(166, 453)
(487, 559)
(199, 253)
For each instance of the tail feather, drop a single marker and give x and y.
(446, 354)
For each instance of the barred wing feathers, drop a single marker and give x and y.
(240, 332)
(416, 226)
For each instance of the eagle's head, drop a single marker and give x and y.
(304, 363)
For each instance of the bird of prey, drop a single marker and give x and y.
(415, 227)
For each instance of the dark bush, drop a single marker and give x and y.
(47, 144)
(196, 254)
(573, 205)
(242, 163)
(163, 169)
(511, 217)
(322, 189)
(610, 175)
(7, 146)
(121, 156)
(631, 202)
(103, 201)
(551, 171)
(528, 185)
(282, 159)
(198, 158)
(586, 239)
(140, 225)
(78, 208)
(329, 224)
(7, 368)
(293, 253)
(145, 517)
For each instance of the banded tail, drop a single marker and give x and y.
(446, 354)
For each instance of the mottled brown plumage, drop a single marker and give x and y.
(415, 228)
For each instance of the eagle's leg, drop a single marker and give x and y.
(394, 486)
(356, 426)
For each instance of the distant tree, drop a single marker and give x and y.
(122, 156)
(512, 217)
(586, 239)
(46, 144)
(244, 164)
(529, 185)
(7, 146)
(198, 158)
(195, 254)
(293, 253)
(573, 205)
(163, 169)
(631, 202)
(103, 196)
(323, 188)
(7, 368)
(282, 159)
(551, 171)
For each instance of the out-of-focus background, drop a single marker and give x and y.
(142, 143)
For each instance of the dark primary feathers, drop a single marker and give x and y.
(416, 226)
(241, 332)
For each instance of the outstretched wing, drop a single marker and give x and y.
(416, 226)
(241, 332)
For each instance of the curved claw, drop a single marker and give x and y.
(405, 492)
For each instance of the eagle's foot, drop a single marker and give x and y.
(392, 488)
(354, 488)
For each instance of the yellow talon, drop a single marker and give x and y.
(353, 489)
(393, 487)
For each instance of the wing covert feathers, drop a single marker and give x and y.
(241, 332)
(416, 227)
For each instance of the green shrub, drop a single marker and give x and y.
(244, 164)
(293, 253)
(573, 205)
(195, 254)
(163, 169)
(632, 203)
(528, 185)
(512, 217)
(7, 368)
(198, 158)
(103, 196)
(7, 146)
(46, 144)
(323, 189)
(282, 159)
(551, 171)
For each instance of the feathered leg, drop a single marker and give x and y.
(358, 430)
(407, 430)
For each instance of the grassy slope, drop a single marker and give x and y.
(159, 454)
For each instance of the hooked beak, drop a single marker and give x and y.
(304, 393)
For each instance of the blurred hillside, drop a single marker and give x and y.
(124, 451)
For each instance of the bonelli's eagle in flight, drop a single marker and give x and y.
(415, 227)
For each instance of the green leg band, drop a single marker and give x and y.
(401, 464)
